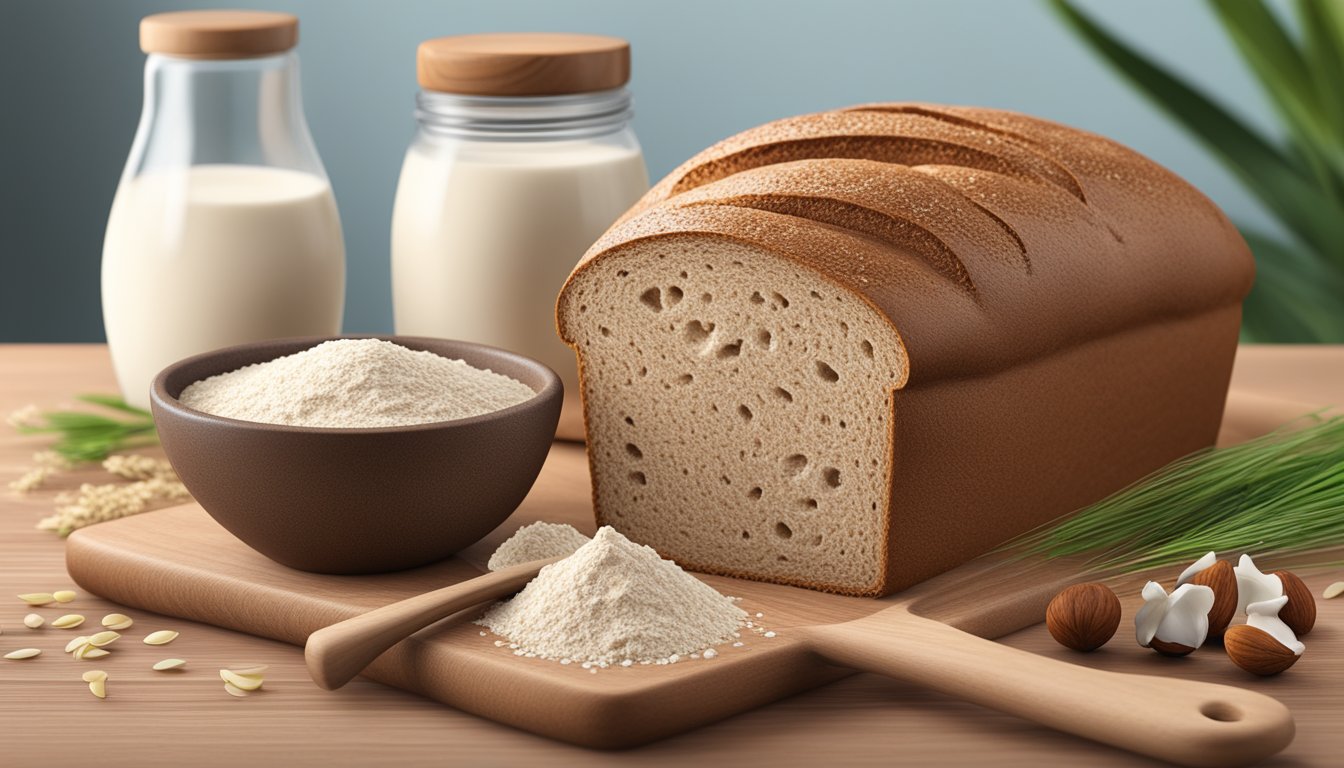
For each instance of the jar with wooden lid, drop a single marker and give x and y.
(523, 157)
(224, 229)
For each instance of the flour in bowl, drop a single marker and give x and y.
(355, 383)
(615, 602)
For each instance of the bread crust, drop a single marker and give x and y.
(993, 243)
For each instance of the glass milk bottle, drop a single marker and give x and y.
(223, 229)
(524, 156)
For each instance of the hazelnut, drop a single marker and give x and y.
(1257, 651)
(1223, 581)
(1300, 612)
(1084, 616)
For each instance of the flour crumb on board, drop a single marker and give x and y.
(615, 602)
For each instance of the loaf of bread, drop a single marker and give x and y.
(851, 350)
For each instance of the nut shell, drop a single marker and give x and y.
(1223, 581)
(1170, 649)
(1300, 612)
(1256, 651)
(1084, 616)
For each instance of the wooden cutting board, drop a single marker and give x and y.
(179, 562)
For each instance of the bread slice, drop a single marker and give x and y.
(850, 350)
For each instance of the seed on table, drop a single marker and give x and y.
(33, 621)
(68, 621)
(99, 688)
(94, 674)
(38, 598)
(117, 621)
(1334, 590)
(64, 595)
(235, 690)
(73, 645)
(247, 683)
(162, 637)
(92, 653)
(256, 670)
(23, 653)
(168, 664)
(106, 637)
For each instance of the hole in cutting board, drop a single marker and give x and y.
(1220, 711)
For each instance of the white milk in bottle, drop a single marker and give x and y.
(224, 229)
(524, 156)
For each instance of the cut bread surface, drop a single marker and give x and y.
(743, 418)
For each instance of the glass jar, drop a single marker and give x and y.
(224, 229)
(508, 181)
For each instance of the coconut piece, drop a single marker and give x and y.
(1175, 623)
(1264, 616)
(1254, 586)
(1201, 564)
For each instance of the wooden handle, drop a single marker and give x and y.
(336, 654)
(1181, 721)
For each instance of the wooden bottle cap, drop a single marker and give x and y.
(535, 64)
(219, 34)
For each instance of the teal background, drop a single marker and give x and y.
(703, 70)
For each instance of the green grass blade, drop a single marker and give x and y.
(1298, 297)
(1280, 66)
(1322, 24)
(116, 403)
(1282, 184)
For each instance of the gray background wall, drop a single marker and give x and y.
(70, 94)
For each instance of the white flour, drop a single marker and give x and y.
(538, 541)
(612, 602)
(355, 383)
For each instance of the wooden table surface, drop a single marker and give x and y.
(48, 717)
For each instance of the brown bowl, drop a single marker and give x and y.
(358, 500)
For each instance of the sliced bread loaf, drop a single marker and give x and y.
(850, 350)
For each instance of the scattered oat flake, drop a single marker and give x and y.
(38, 598)
(161, 637)
(68, 621)
(94, 674)
(710, 653)
(251, 670)
(1334, 590)
(160, 666)
(99, 688)
(93, 653)
(769, 634)
(738, 644)
(117, 621)
(64, 595)
(33, 621)
(106, 637)
(245, 682)
(234, 690)
(73, 645)
(760, 615)
(23, 653)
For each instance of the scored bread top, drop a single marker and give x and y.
(986, 237)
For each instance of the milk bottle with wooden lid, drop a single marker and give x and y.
(524, 156)
(223, 229)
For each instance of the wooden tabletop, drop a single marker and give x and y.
(48, 717)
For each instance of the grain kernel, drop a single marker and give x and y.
(23, 653)
(92, 653)
(168, 664)
(74, 645)
(256, 670)
(68, 621)
(106, 637)
(162, 637)
(241, 681)
(33, 621)
(38, 598)
(117, 621)
(64, 595)
(235, 690)
(94, 674)
(1334, 590)
(99, 688)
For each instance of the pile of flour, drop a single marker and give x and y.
(615, 602)
(538, 541)
(355, 383)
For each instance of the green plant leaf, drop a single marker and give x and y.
(1282, 184)
(1297, 298)
(1275, 60)
(116, 403)
(1322, 24)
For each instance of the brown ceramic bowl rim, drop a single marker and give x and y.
(159, 394)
